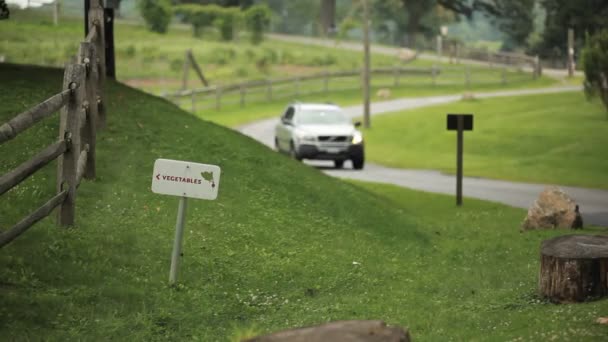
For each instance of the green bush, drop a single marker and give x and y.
(156, 13)
(198, 16)
(202, 16)
(226, 22)
(257, 18)
(595, 64)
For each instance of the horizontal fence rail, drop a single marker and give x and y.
(216, 97)
(19, 174)
(82, 107)
(31, 116)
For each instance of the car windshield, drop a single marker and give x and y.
(322, 117)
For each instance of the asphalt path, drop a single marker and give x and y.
(593, 203)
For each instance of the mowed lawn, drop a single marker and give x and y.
(555, 139)
(283, 246)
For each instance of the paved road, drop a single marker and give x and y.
(594, 203)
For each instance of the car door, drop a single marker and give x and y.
(285, 128)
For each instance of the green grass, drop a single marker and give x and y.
(275, 251)
(556, 138)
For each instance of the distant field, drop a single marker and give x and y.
(557, 138)
(154, 61)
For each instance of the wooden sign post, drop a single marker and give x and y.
(459, 123)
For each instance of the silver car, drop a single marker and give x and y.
(322, 132)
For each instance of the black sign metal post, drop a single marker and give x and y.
(459, 144)
(459, 123)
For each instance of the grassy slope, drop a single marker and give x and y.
(276, 250)
(556, 138)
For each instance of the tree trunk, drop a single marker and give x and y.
(328, 16)
(574, 268)
(412, 30)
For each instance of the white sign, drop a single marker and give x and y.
(185, 179)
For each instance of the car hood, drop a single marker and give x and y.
(328, 129)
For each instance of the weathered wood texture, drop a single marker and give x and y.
(23, 171)
(96, 22)
(31, 116)
(92, 35)
(82, 105)
(341, 331)
(86, 54)
(574, 268)
(197, 69)
(69, 129)
(26, 223)
(82, 164)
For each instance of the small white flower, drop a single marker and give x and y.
(356, 263)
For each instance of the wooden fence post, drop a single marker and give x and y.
(186, 70)
(86, 54)
(503, 76)
(297, 86)
(467, 75)
(243, 90)
(489, 56)
(326, 82)
(193, 101)
(69, 129)
(218, 98)
(433, 74)
(96, 21)
(269, 90)
(396, 72)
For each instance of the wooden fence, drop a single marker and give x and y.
(81, 103)
(217, 97)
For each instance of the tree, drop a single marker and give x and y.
(294, 17)
(257, 19)
(513, 17)
(4, 12)
(595, 64)
(156, 13)
(584, 16)
(244, 4)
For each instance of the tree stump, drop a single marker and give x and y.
(340, 331)
(574, 268)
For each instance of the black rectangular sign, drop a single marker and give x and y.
(467, 122)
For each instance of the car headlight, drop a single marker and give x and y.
(357, 138)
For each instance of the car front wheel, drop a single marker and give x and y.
(358, 160)
(338, 164)
(293, 153)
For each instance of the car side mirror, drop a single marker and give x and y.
(357, 123)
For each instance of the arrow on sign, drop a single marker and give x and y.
(158, 176)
